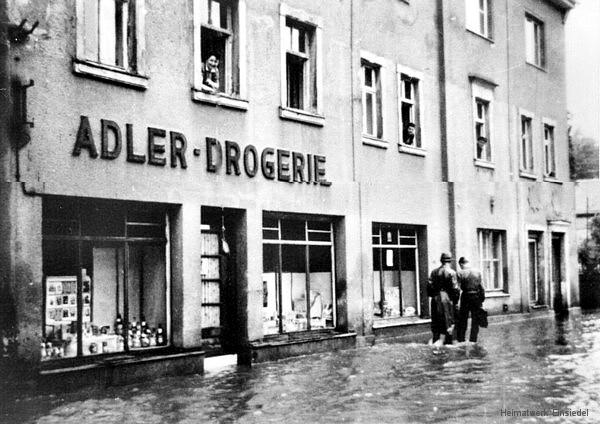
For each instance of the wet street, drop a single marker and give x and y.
(538, 364)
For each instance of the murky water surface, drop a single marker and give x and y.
(539, 364)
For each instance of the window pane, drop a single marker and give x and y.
(103, 302)
(391, 282)
(408, 278)
(295, 81)
(368, 76)
(107, 31)
(146, 296)
(530, 41)
(369, 113)
(472, 12)
(293, 288)
(270, 289)
(293, 229)
(321, 287)
(408, 89)
(60, 269)
(377, 307)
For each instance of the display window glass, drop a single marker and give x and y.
(105, 277)
(395, 271)
(298, 275)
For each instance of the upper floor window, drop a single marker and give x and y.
(479, 17)
(410, 113)
(219, 52)
(492, 254)
(549, 159)
(110, 37)
(482, 129)
(526, 142)
(534, 41)
(301, 66)
(371, 100)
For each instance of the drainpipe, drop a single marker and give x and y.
(445, 163)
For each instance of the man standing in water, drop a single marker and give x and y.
(471, 299)
(442, 288)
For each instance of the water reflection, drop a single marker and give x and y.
(537, 364)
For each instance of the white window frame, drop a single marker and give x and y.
(482, 92)
(307, 115)
(85, 64)
(418, 109)
(227, 97)
(380, 137)
(527, 162)
(549, 145)
(375, 91)
(486, 255)
(535, 54)
(475, 16)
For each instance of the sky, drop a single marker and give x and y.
(583, 67)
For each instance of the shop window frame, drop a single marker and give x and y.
(279, 241)
(130, 45)
(78, 237)
(378, 245)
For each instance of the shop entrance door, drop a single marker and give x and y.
(557, 274)
(220, 326)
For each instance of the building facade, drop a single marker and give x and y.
(273, 178)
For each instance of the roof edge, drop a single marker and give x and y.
(563, 4)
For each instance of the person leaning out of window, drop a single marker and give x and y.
(409, 133)
(210, 74)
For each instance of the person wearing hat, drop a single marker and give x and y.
(442, 288)
(471, 299)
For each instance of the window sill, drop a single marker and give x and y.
(484, 37)
(416, 151)
(484, 164)
(108, 73)
(374, 141)
(496, 293)
(553, 180)
(219, 100)
(538, 67)
(398, 322)
(528, 175)
(301, 116)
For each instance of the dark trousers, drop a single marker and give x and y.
(468, 305)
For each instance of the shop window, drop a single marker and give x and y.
(492, 258)
(526, 142)
(549, 158)
(105, 281)
(395, 271)
(301, 66)
(371, 100)
(110, 40)
(410, 109)
(298, 275)
(537, 289)
(535, 50)
(479, 17)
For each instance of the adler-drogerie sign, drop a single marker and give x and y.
(228, 156)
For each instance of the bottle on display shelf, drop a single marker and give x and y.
(43, 352)
(143, 324)
(119, 325)
(153, 337)
(120, 343)
(160, 337)
(48, 349)
(144, 340)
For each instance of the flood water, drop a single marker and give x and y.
(538, 364)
